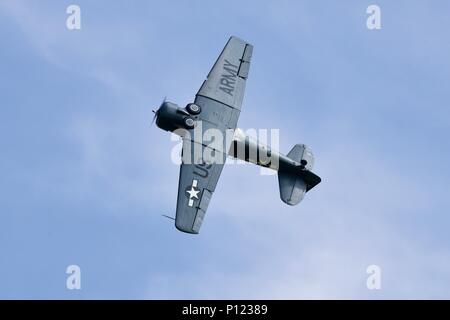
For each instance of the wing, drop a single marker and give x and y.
(225, 83)
(196, 185)
(220, 98)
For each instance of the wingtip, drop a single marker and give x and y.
(185, 230)
(235, 38)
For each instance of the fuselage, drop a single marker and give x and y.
(251, 150)
(171, 118)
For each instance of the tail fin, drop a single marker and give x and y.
(295, 183)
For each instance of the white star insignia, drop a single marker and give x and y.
(193, 193)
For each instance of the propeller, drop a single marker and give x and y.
(168, 217)
(156, 111)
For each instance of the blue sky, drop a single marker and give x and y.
(85, 179)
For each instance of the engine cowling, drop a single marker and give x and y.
(171, 117)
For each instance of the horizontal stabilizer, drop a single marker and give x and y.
(292, 188)
(294, 183)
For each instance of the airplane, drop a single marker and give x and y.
(217, 106)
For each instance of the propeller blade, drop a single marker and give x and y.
(154, 118)
(156, 112)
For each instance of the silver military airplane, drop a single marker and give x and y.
(217, 106)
